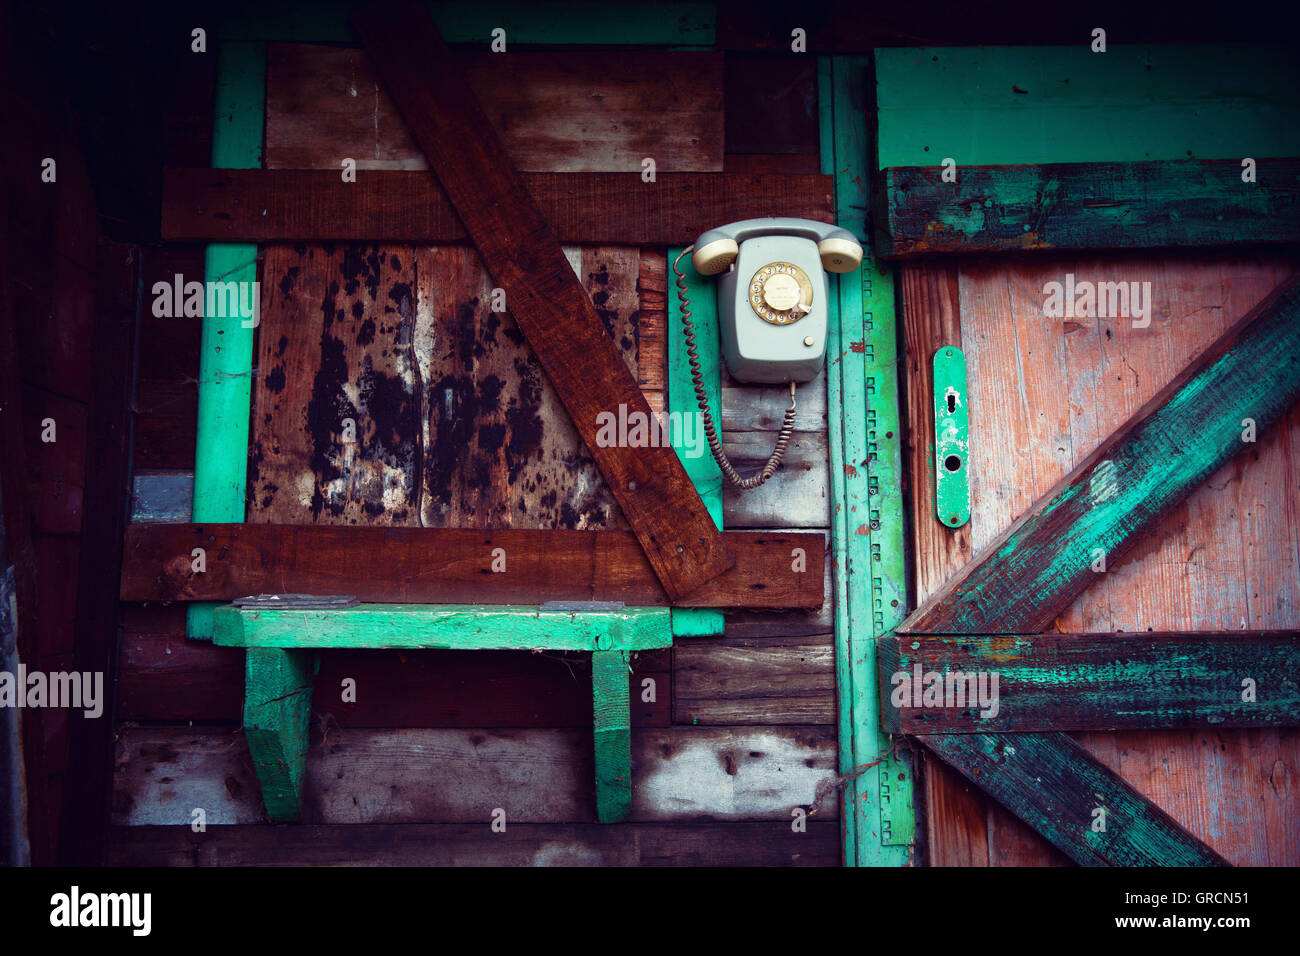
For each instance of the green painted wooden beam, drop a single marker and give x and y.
(460, 627)
(611, 708)
(701, 469)
(1067, 795)
(468, 21)
(1095, 514)
(277, 714)
(866, 486)
(1137, 205)
(1075, 682)
(993, 106)
(226, 345)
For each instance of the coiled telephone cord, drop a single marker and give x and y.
(710, 431)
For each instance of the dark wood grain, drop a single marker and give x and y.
(85, 811)
(473, 844)
(267, 205)
(449, 566)
(1072, 682)
(1137, 205)
(555, 314)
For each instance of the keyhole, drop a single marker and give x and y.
(952, 404)
(952, 462)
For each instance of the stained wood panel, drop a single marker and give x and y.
(1044, 393)
(474, 844)
(604, 112)
(401, 336)
(536, 776)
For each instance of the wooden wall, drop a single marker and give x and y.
(458, 428)
(1044, 392)
(45, 363)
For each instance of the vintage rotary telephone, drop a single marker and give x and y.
(772, 310)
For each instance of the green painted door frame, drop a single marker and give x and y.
(878, 818)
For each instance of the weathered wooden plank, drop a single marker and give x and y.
(931, 316)
(535, 776)
(603, 112)
(1007, 104)
(1091, 681)
(756, 623)
(612, 726)
(499, 449)
(795, 497)
(734, 682)
(473, 844)
(448, 565)
(460, 627)
(226, 345)
(554, 313)
(1072, 206)
(866, 484)
(452, 421)
(1220, 783)
(1036, 568)
(1056, 787)
(652, 326)
(277, 718)
(964, 826)
(335, 418)
(761, 408)
(223, 205)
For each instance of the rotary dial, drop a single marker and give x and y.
(780, 293)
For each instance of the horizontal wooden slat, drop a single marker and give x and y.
(255, 205)
(163, 677)
(590, 111)
(1138, 205)
(463, 627)
(734, 682)
(769, 843)
(450, 566)
(461, 776)
(1037, 567)
(1094, 681)
(1058, 788)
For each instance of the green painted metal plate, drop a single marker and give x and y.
(951, 438)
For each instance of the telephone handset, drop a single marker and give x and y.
(772, 311)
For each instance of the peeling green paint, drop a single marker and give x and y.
(448, 626)
(952, 438)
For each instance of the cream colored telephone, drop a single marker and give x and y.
(772, 310)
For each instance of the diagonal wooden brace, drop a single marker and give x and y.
(553, 310)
